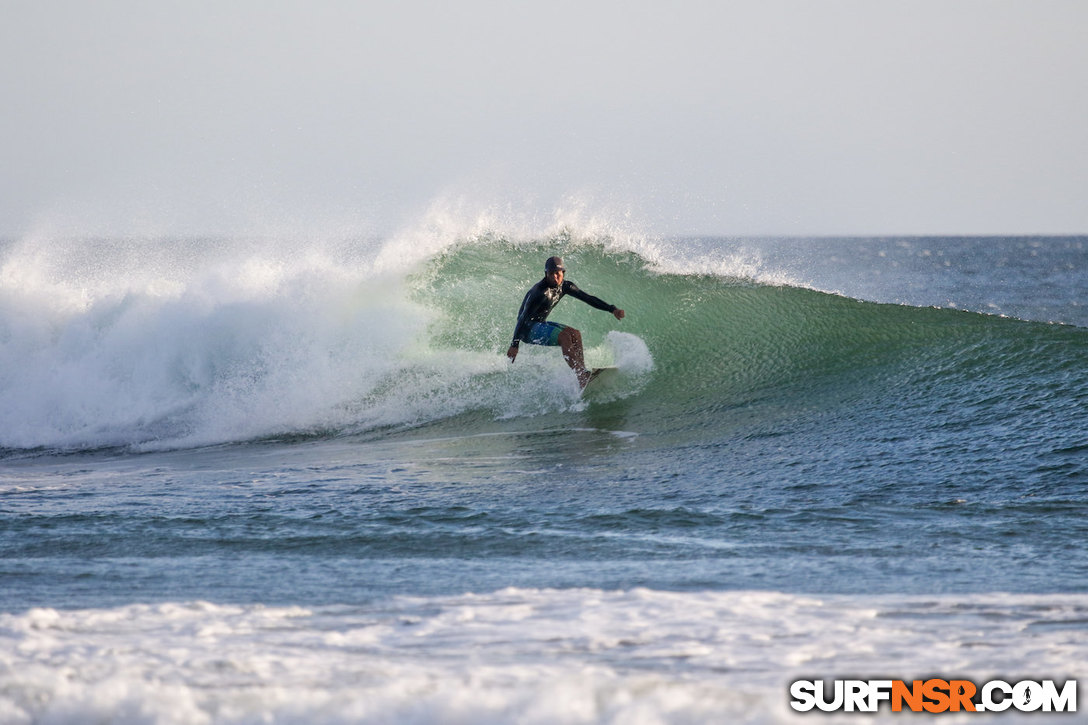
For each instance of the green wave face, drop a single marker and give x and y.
(730, 352)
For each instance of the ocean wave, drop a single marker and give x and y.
(176, 343)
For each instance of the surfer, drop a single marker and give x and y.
(533, 326)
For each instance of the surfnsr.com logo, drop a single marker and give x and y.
(933, 695)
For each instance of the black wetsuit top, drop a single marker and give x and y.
(541, 299)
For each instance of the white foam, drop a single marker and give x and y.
(630, 353)
(555, 656)
(182, 343)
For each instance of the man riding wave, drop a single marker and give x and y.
(533, 326)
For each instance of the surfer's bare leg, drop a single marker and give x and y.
(570, 340)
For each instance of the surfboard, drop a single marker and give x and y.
(600, 378)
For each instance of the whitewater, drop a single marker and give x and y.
(297, 480)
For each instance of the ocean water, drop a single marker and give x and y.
(252, 481)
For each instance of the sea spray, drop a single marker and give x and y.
(189, 342)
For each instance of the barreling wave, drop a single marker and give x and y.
(199, 342)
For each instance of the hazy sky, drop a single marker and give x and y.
(729, 117)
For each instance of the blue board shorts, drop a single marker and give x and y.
(544, 333)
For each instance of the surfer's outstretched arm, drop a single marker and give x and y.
(578, 293)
